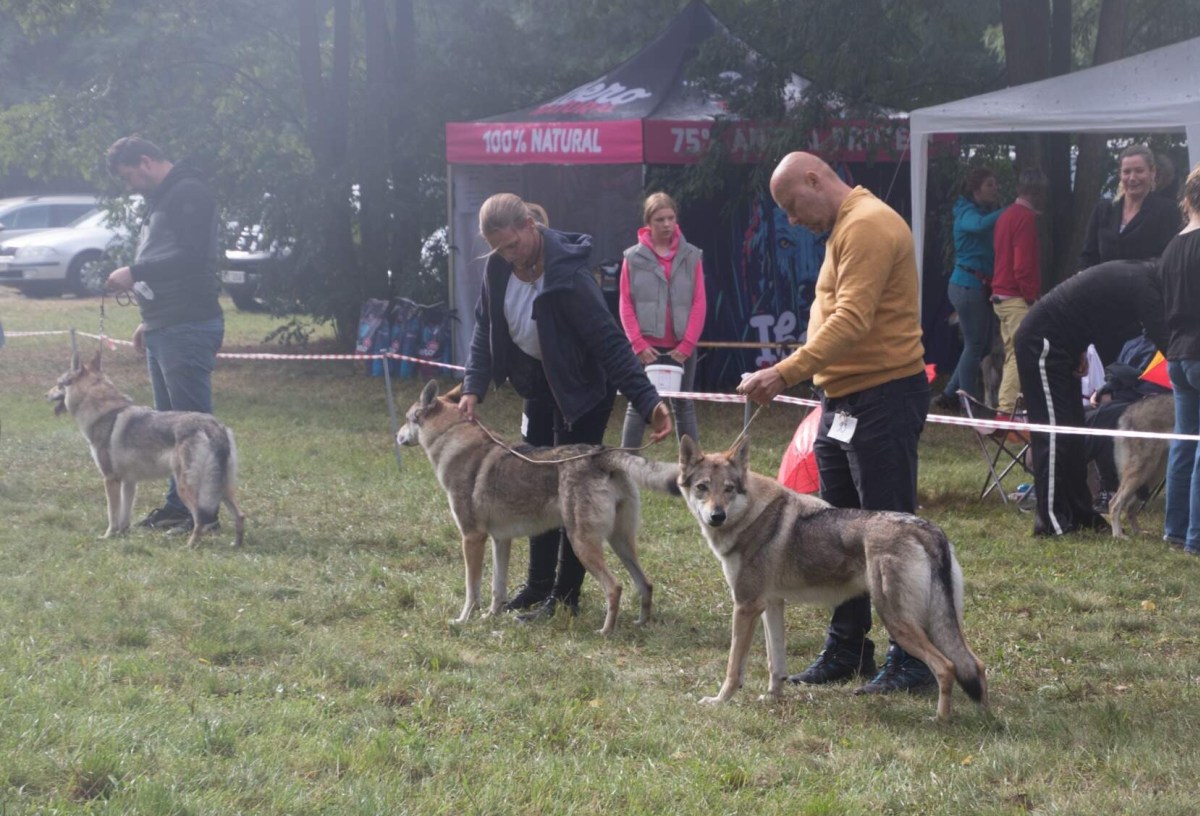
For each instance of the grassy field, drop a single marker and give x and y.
(315, 671)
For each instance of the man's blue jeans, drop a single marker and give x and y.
(1183, 466)
(180, 359)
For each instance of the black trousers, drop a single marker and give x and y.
(1053, 397)
(551, 557)
(875, 470)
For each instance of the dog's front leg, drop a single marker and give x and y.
(472, 546)
(128, 494)
(745, 616)
(501, 548)
(112, 495)
(773, 628)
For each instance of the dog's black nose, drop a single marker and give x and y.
(717, 517)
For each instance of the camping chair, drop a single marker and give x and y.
(1002, 450)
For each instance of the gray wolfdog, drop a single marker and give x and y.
(776, 545)
(1141, 463)
(589, 490)
(131, 443)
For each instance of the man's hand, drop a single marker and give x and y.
(466, 406)
(121, 280)
(762, 386)
(139, 338)
(660, 423)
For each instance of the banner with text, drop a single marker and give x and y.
(614, 142)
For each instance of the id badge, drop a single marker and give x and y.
(843, 427)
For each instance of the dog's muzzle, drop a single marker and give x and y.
(58, 397)
(405, 438)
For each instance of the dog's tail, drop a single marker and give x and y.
(660, 476)
(946, 616)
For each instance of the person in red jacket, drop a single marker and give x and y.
(1017, 277)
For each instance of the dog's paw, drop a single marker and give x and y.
(711, 701)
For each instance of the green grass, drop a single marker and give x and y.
(315, 671)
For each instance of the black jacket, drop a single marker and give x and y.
(583, 348)
(1104, 305)
(1179, 271)
(1146, 236)
(177, 254)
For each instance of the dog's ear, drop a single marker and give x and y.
(429, 393)
(689, 452)
(94, 365)
(454, 394)
(739, 454)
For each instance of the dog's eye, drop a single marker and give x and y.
(701, 487)
(730, 488)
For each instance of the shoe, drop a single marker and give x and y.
(944, 402)
(165, 517)
(187, 524)
(900, 672)
(1174, 542)
(526, 597)
(1101, 504)
(1191, 550)
(546, 609)
(838, 662)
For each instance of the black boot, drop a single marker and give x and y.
(901, 672)
(566, 586)
(838, 661)
(543, 558)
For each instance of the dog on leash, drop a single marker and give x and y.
(509, 492)
(131, 443)
(776, 545)
(1141, 463)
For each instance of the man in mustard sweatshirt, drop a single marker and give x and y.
(864, 353)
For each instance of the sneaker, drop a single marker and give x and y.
(546, 609)
(1101, 504)
(187, 524)
(1174, 542)
(165, 517)
(945, 402)
(526, 597)
(838, 662)
(900, 672)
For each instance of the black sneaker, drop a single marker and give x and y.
(837, 663)
(165, 517)
(526, 597)
(546, 609)
(1101, 504)
(900, 672)
(945, 402)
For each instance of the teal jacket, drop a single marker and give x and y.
(972, 242)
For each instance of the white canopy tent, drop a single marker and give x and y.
(1158, 91)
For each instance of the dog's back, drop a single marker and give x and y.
(1141, 463)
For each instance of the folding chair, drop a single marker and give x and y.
(1002, 450)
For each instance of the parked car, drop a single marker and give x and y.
(73, 259)
(251, 265)
(24, 214)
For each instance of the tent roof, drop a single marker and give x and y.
(1155, 91)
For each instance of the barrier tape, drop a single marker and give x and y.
(978, 425)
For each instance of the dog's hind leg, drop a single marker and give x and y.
(1116, 508)
(501, 550)
(745, 616)
(590, 553)
(473, 544)
(239, 518)
(912, 639)
(624, 544)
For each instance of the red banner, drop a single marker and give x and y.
(615, 142)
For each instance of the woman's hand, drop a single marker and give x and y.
(677, 355)
(647, 356)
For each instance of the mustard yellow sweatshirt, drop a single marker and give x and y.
(864, 328)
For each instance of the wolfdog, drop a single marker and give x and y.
(776, 545)
(131, 443)
(510, 492)
(1141, 463)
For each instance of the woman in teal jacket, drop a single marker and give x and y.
(975, 215)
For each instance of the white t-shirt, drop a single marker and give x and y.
(518, 311)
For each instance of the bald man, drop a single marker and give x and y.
(864, 354)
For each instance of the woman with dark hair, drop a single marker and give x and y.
(1135, 225)
(541, 323)
(975, 215)
(1180, 277)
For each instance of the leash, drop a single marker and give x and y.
(522, 456)
(746, 427)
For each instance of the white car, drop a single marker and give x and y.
(70, 259)
(24, 214)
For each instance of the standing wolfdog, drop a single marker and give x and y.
(1141, 463)
(131, 443)
(776, 545)
(589, 490)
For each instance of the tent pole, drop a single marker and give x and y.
(450, 253)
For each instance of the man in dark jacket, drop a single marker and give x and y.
(174, 278)
(1104, 306)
